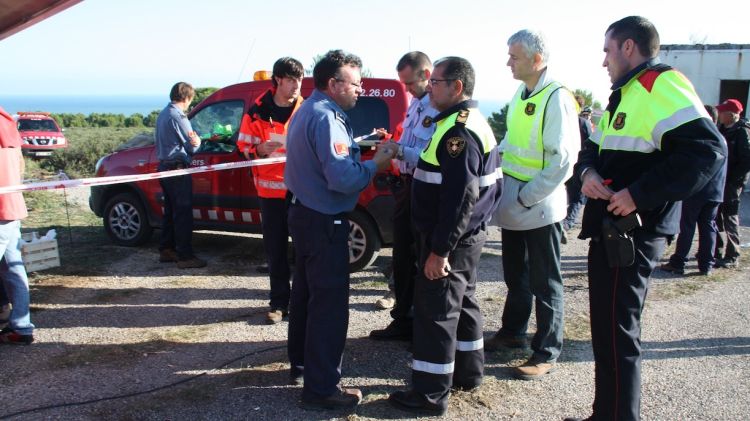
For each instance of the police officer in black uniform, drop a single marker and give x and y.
(655, 146)
(454, 192)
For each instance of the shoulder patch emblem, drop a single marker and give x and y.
(619, 121)
(463, 115)
(455, 146)
(530, 108)
(427, 122)
(341, 149)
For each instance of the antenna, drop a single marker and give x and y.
(242, 69)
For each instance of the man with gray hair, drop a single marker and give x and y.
(539, 151)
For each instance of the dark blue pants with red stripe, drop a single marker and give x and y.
(616, 299)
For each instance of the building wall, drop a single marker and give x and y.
(707, 65)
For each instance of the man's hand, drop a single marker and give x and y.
(194, 139)
(436, 267)
(267, 148)
(383, 134)
(621, 203)
(594, 187)
(383, 156)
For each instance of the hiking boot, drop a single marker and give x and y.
(275, 316)
(388, 301)
(531, 370)
(667, 267)
(501, 341)
(9, 336)
(729, 262)
(397, 330)
(168, 256)
(343, 398)
(191, 263)
(409, 400)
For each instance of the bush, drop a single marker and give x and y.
(86, 146)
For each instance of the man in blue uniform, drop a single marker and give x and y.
(454, 193)
(655, 145)
(324, 177)
(414, 71)
(176, 142)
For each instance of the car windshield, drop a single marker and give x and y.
(370, 113)
(27, 125)
(217, 125)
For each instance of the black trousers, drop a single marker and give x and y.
(447, 342)
(616, 299)
(177, 223)
(404, 252)
(319, 305)
(276, 242)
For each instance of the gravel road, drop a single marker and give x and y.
(124, 337)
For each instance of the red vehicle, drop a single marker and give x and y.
(227, 200)
(40, 133)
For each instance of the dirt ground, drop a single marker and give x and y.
(121, 336)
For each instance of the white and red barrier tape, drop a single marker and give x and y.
(100, 181)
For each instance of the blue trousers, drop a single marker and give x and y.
(13, 279)
(319, 305)
(276, 243)
(531, 265)
(177, 224)
(703, 212)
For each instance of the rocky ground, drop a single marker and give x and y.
(123, 337)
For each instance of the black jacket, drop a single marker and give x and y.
(738, 143)
(690, 157)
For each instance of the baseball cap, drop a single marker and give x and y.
(731, 105)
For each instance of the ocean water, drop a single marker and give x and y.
(85, 104)
(125, 104)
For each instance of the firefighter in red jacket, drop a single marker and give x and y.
(263, 135)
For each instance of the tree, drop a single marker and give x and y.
(589, 98)
(365, 72)
(203, 93)
(150, 120)
(498, 123)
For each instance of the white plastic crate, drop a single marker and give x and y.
(39, 254)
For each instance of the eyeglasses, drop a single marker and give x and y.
(356, 85)
(434, 81)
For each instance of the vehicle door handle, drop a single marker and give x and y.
(141, 162)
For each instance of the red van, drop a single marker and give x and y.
(227, 200)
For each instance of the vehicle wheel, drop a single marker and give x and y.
(364, 241)
(125, 220)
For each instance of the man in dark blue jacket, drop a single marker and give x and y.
(700, 208)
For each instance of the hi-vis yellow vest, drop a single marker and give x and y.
(653, 103)
(523, 150)
(477, 125)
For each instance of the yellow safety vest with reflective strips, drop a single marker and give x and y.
(477, 125)
(523, 150)
(651, 104)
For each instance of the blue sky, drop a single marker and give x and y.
(143, 47)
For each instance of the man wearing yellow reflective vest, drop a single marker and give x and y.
(454, 193)
(655, 145)
(539, 151)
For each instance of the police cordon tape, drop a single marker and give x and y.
(117, 179)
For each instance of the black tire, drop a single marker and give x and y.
(364, 241)
(125, 220)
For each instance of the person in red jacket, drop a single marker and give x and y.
(263, 135)
(14, 284)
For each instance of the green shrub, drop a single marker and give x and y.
(85, 146)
